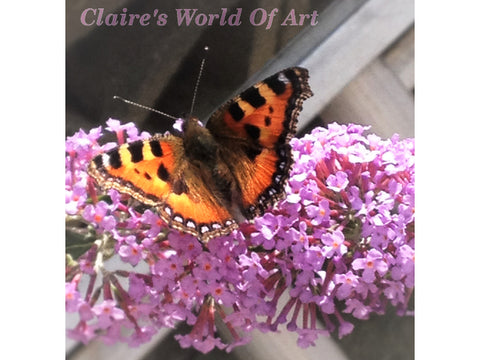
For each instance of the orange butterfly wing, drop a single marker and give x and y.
(155, 173)
(254, 130)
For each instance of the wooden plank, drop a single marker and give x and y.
(299, 48)
(376, 97)
(348, 50)
(75, 29)
(268, 44)
(283, 346)
(350, 35)
(96, 350)
(400, 58)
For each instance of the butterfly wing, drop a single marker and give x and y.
(254, 130)
(154, 172)
(250, 164)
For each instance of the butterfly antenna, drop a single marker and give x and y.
(144, 107)
(195, 90)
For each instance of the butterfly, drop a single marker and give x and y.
(213, 177)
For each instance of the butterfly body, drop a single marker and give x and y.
(214, 177)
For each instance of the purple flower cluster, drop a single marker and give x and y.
(340, 244)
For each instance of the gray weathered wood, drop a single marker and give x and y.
(351, 34)
(97, 350)
(400, 58)
(375, 97)
(282, 345)
(354, 45)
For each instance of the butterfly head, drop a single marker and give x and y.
(198, 141)
(189, 123)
